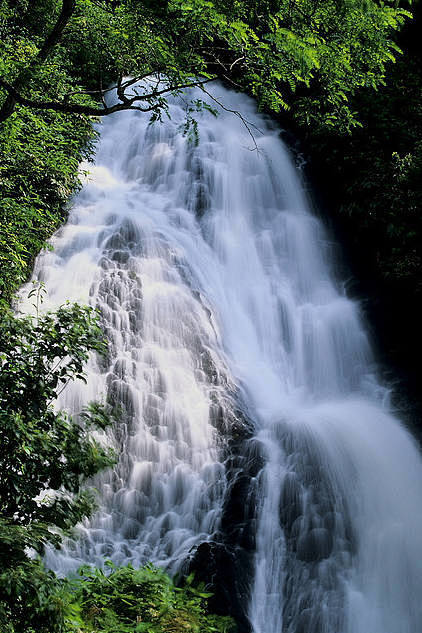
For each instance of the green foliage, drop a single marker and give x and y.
(39, 152)
(39, 157)
(118, 600)
(44, 452)
(308, 56)
(45, 455)
(271, 48)
(318, 54)
(32, 599)
(128, 600)
(378, 175)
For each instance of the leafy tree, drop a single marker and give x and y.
(60, 56)
(269, 48)
(45, 455)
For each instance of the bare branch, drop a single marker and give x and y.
(248, 124)
(219, 64)
(236, 61)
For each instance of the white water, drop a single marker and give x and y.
(217, 293)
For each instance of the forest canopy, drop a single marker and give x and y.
(62, 54)
(58, 58)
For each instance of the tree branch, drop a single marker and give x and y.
(126, 102)
(248, 124)
(73, 108)
(68, 7)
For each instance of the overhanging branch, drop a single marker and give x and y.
(132, 102)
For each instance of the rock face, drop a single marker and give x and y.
(318, 538)
(314, 521)
(226, 564)
(317, 531)
(227, 571)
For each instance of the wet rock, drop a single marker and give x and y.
(239, 514)
(316, 545)
(228, 573)
(115, 242)
(130, 232)
(290, 501)
(120, 257)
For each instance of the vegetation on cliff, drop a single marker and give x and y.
(371, 181)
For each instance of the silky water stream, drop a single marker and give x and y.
(250, 416)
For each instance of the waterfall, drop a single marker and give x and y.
(250, 414)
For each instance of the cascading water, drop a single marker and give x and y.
(217, 296)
